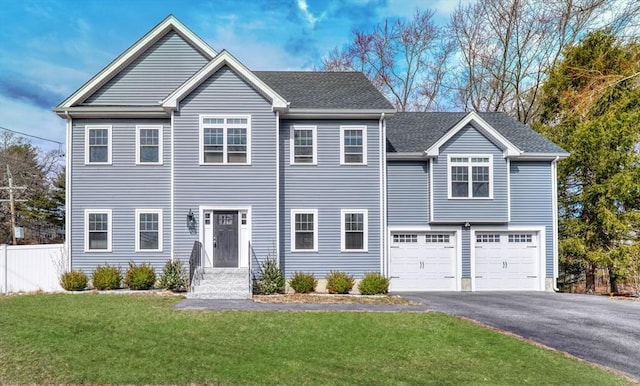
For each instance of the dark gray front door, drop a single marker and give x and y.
(225, 239)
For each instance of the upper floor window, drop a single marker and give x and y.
(354, 230)
(98, 145)
(225, 140)
(304, 230)
(470, 176)
(303, 145)
(148, 230)
(149, 145)
(97, 228)
(353, 145)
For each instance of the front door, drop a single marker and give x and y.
(225, 239)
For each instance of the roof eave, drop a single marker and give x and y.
(294, 113)
(112, 112)
(408, 156)
(540, 156)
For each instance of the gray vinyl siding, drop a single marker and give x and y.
(151, 77)
(122, 187)
(408, 193)
(226, 185)
(532, 201)
(330, 187)
(466, 252)
(470, 141)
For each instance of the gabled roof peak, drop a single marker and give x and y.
(170, 23)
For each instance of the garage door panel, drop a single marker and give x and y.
(423, 262)
(506, 261)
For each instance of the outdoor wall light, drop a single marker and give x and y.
(191, 221)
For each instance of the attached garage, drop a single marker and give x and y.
(506, 261)
(423, 261)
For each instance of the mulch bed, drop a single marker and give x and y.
(333, 299)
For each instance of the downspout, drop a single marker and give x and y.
(171, 192)
(554, 185)
(383, 188)
(277, 248)
(67, 182)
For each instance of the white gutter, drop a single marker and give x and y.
(554, 233)
(67, 189)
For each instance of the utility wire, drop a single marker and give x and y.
(31, 135)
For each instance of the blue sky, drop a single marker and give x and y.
(49, 48)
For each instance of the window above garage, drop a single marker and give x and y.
(470, 176)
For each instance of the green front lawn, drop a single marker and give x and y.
(140, 339)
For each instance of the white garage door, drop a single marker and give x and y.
(423, 261)
(506, 261)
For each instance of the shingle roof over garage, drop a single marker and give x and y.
(412, 132)
(325, 90)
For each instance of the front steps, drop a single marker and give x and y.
(220, 283)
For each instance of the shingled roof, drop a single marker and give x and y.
(325, 90)
(411, 132)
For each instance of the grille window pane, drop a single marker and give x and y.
(225, 140)
(354, 231)
(437, 238)
(149, 226)
(149, 145)
(98, 231)
(98, 145)
(304, 231)
(487, 238)
(353, 146)
(302, 146)
(405, 238)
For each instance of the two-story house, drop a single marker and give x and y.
(177, 151)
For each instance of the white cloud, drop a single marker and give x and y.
(304, 8)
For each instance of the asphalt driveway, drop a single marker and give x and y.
(595, 328)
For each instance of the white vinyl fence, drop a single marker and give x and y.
(27, 268)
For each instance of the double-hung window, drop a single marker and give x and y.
(97, 230)
(148, 230)
(353, 145)
(470, 176)
(225, 140)
(303, 140)
(304, 230)
(354, 230)
(149, 145)
(98, 145)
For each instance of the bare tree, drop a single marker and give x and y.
(507, 47)
(405, 59)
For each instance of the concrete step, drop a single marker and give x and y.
(221, 283)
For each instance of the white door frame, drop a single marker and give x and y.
(244, 231)
(415, 229)
(542, 246)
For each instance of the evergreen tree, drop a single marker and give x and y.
(591, 107)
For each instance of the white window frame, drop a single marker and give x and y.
(469, 164)
(314, 138)
(88, 129)
(365, 220)
(294, 212)
(108, 212)
(137, 235)
(149, 127)
(364, 145)
(225, 128)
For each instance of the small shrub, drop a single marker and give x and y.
(174, 277)
(106, 277)
(74, 281)
(373, 283)
(140, 277)
(270, 279)
(303, 283)
(339, 282)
